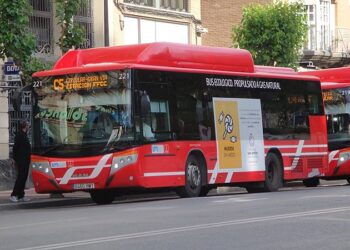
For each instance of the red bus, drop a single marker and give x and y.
(166, 115)
(335, 85)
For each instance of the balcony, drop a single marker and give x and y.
(174, 5)
(337, 54)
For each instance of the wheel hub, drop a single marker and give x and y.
(194, 175)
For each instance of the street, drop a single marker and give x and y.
(293, 218)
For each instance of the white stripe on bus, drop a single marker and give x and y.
(297, 154)
(97, 170)
(156, 174)
(332, 156)
(296, 146)
(305, 154)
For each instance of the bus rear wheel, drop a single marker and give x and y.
(193, 179)
(348, 180)
(311, 182)
(102, 197)
(273, 173)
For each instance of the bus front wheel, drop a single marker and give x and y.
(102, 197)
(193, 179)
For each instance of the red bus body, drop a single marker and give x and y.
(141, 166)
(335, 79)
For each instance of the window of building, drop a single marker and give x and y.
(319, 34)
(324, 24)
(312, 38)
(40, 24)
(84, 19)
(138, 30)
(175, 5)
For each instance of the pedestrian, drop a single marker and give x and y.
(21, 156)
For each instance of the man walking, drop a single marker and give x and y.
(21, 156)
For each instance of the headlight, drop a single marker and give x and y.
(343, 157)
(43, 167)
(122, 161)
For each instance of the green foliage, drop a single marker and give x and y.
(273, 33)
(33, 65)
(16, 40)
(72, 34)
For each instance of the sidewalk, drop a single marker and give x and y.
(39, 198)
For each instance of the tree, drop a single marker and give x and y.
(273, 33)
(16, 40)
(72, 34)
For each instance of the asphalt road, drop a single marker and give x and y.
(294, 218)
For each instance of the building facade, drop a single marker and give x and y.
(218, 17)
(144, 21)
(117, 22)
(329, 33)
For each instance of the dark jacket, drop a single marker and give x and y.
(21, 149)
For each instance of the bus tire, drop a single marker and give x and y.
(348, 180)
(273, 173)
(102, 197)
(254, 189)
(204, 191)
(193, 178)
(311, 182)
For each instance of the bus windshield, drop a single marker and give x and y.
(337, 107)
(81, 115)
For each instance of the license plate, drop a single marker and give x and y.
(84, 186)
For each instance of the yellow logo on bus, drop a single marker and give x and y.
(228, 134)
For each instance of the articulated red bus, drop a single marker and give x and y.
(335, 85)
(166, 115)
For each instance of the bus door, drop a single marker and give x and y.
(160, 164)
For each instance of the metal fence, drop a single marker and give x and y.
(24, 113)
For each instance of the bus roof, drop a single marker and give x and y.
(153, 54)
(164, 55)
(272, 69)
(338, 75)
(334, 85)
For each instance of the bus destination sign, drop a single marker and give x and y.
(83, 82)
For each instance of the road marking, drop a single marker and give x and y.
(239, 200)
(148, 208)
(327, 196)
(330, 219)
(184, 229)
(42, 223)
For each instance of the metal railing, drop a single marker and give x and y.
(40, 24)
(341, 41)
(41, 27)
(41, 5)
(150, 3)
(176, 5)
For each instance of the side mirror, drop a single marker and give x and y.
(17, 97)
(145, 104)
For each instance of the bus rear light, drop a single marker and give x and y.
(43, 167)
(121, 162)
